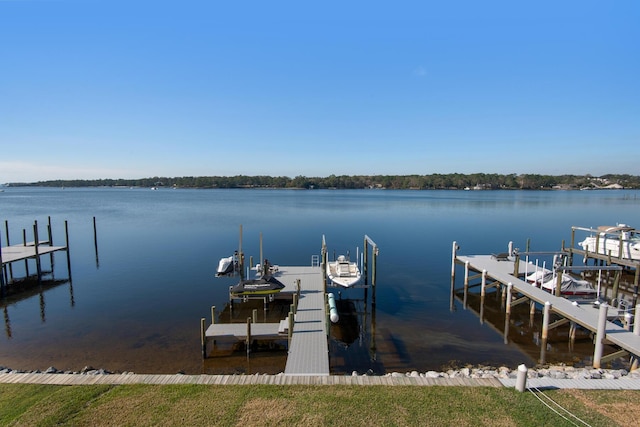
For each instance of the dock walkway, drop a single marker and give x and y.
(309, 350)
(585, 316)
(14, 253)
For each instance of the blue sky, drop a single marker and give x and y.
(132, 89)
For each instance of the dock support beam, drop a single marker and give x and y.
(600, 335)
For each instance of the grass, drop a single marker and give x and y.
(266, 405)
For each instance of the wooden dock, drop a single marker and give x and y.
(309, 350)
(308, 347)
(502, 272)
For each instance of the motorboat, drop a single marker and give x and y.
(343, 272)
(265, 285)
(569, 286)
(620, 241)
(227, 266)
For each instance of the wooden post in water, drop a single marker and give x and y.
(365, 263)
(509, 290)
(66, 242)
(255, 315)
(545, 321)
(466, 283)
(2, 270)
(6, 227)
(559, 284)
(616, 284)
(483, 293)
(453, 276)
(248, 336)
(35, 244)
(213, 314)
(26, 260)
(290, 330)
(601, 333)
(203, 338)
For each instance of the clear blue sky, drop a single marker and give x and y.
(132, 89)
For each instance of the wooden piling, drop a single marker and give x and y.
(545, 320)
(213, 314)
(600, 335)
(290, 330)
(509, 290)
(66, 242)
(36, 247)
(203, 338)
(248, 336)
(26, 260)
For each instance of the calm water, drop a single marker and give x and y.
(136, 304)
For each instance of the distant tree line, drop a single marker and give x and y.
(401, 182)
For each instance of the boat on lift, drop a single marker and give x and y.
(343, 272)
(265, 284)
(619, 241)
(570, 286)
(227, 266)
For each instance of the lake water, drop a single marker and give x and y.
(135, 304)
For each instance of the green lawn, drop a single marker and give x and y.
(250, 405)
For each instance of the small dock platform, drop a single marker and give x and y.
(10, 254)
(16, 253)
(501, 272)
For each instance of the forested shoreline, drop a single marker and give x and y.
(477, 181)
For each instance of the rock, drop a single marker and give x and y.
(433, 374)
(414, 374)
(51, 370)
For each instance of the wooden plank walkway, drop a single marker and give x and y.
(584, 316)
(239, 330)
(309, 350)
(15, 253)
(345, 380)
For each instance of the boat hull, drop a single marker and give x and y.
(343, 273)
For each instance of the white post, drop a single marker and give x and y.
(466, 275)
(545, 320)
(600, 334)
(483, 290)
(636, 320)
(509, 287)
(521, 380)
(510, 248)
(453, 258)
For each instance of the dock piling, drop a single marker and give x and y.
(248, 336)
(600, 335)
(203, 338)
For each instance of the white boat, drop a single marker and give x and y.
(226, 266)
(569, 286)
(343, 272)
(620, 241)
